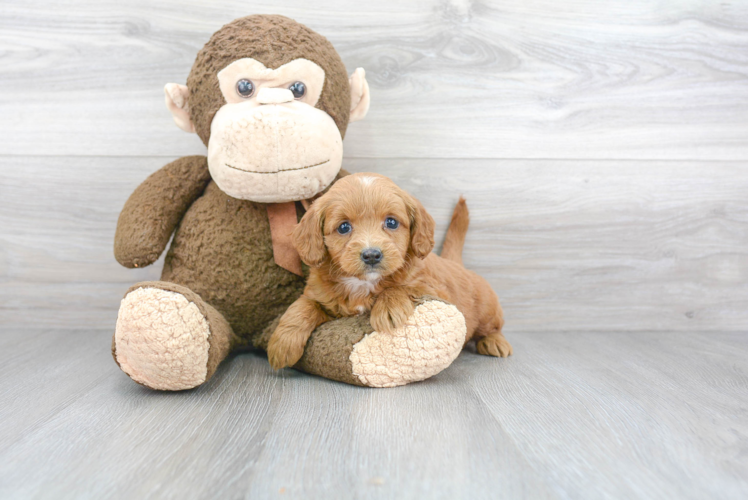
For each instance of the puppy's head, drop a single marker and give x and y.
(367, 226)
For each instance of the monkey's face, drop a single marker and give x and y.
(269, 143)
(271, 99)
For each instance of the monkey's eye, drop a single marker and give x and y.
(245, 88)
(345, 228)
(298, 90)
(391, 223)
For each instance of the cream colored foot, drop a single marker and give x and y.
(428, 343)
(161, 340)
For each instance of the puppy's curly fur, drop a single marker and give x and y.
(365, 213)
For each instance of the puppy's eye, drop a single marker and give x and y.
(345, 228)
(391, 223)
(298, 90)
(245, 88)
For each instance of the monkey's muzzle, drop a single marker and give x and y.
(273, 153)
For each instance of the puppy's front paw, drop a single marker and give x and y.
(387, 316)
(494, 345)
(284, 350)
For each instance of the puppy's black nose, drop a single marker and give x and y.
(371, 256)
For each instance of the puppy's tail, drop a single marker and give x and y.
(455, 239)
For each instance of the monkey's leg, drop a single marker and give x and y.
(348, 350)
(168, 338)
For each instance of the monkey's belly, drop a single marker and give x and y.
(222, 250)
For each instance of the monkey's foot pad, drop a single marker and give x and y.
(428, 343)
(161, 340)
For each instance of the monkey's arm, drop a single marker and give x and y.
(155, 208)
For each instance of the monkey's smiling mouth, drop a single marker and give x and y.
(279, 171)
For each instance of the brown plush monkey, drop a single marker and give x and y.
(271, 100)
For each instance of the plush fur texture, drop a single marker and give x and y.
(168, 338)
(431, 338)
(222, 248)
(223, 252)
(366, 212)
(165, 326)
(153, 211)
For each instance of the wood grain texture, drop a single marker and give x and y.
(567, 245)
(451, 79)
(571, 415)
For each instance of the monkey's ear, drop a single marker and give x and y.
(177, 101)
(421, 228)
(359, 95)
(308, 237)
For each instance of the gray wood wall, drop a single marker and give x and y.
(602, 146)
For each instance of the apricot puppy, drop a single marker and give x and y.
(369, 244)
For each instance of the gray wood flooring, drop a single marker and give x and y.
(571, 415)
(603, 150)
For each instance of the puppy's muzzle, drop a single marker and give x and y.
(371, 256)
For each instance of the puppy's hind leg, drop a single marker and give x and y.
(490, 341)
(494, 344)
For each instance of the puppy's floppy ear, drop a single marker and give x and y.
(308, 237)
(421, 228)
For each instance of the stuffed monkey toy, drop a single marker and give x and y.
(271, 101)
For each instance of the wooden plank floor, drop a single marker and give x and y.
(571, 415)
